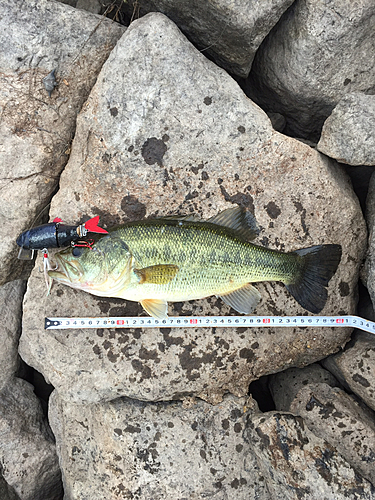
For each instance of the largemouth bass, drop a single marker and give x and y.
(175, 259)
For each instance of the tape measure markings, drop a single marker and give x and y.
(211, 321)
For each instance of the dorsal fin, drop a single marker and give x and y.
(238, 219)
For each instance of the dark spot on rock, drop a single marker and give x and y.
(112, 356)
(247, 354)
(235, 483)
(165, 138)
(204, 176)
(241, 199)
(218, 485)
(132, 429)
(153, 151)
(241, 129)
(323, 467)
(96, 349)
(361, 380)
(60, 292)
(169, 341)
(118, 432)
(264, 439)
(149, 354)
(213, 471)
(347, 81)
(239, 448)
(113, 111)
(77, 196)
(344, 289)
(273, 210)
(219, 181)
(237, 427)
(207, 100)
(118, 311)
(194, 426)
(170, 425)
(191, 195)
(100, 332)
(196, 169)
(131, 148)
(25, 455)
(139, 367)
(191, 363)
(107, 344)
(225, 424)
(203, 454)
(255, 345)
(302, 211)
(235, 414)
(133, 208)
(106, 158)
(157, 436)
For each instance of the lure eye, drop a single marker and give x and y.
(77, 251)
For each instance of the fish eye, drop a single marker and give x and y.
(77, 251)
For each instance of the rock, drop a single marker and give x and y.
(333, 415)
(27, 451)
(162, 451)
(36, 130)
(298, 465)
(317, 53)
(11, 296)
(196, 144)
(6, 492)
(348, 134)
(285, 385)
(228, 32)
(93, 6)
(355, 366)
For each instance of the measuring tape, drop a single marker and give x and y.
(211, 321)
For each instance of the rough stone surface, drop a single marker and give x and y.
(35, 129)
(285, 385)
(11, 296)
(355, 366)
(159, 451)
(348, 134)
(229, 31)
(333, 415)
(297, 465)
(6, 491)
(194, 144)
(317, 53)
(28, 457)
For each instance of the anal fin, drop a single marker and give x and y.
(243, 300)
(155, 307)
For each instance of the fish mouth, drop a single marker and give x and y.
(65, 271)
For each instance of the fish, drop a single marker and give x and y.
(175, 259)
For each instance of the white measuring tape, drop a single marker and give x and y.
(211, 321)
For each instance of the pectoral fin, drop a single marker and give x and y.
(159, 274)
(244, 300)
(155, 307)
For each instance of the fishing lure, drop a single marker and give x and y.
(55, 235)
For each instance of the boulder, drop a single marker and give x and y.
(333, 415)
(37, 125)
(28, 457)
(298, 465)
(228, 32)
(348, 134)
(317, 53)
(11, 296)
(355, 367)
(164, 132)
(285, 385)
(163, 451)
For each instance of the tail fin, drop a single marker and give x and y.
(318, 265)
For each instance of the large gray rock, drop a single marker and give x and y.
(348, 134)
(317, 53)
(298, 465)
(11, 297)
(165, 131)
(285, 385)
(355, 366)
(35, 129)
(229, 31)
(333, 415)
(162, 451)
(28, 457)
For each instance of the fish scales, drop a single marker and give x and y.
(209, 257)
